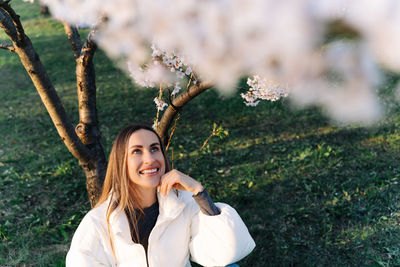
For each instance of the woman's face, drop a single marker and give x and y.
(145, 159)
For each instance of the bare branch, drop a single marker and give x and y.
(86, 85)
(88, 127)
(7, 47)
(52, 102)
(74, 39)
(5, 6)
(89, 47)
(177, 104)
(7, 25)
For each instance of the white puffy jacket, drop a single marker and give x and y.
(181, 230)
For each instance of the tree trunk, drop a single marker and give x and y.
(88, 127)
(44, 10)
(32, 64)
(86, 148)
(95, 171)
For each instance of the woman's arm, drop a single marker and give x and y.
(216, 240)
(219, 240)
(205, 203)
(178, 180)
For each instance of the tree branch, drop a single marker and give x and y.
(74, 39)
(34, 67)
(20, 34)
(89, 47)
(7, 24)
(88, 127)
(177, 104)
(7, 47)
(84, 141)
(86, 84)
(50, 99)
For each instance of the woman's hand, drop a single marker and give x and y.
(178, 180)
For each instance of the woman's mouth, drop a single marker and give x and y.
(149, 171)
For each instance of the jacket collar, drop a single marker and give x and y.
(170, 207)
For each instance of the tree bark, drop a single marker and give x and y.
(73, 38)
(7, 47)
(84, 144)
(9, 21)
(44, 10)
(177, 104)
(88, 127)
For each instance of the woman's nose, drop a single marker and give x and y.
(148, 157)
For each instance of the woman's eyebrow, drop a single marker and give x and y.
(155, 144)
(136, 146)
(140, 146)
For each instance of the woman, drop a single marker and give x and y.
(149, 215)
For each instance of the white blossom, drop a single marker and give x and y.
(180, 74)
(343, 84)
(263, 89)
(177, 88)
(282, 41)
(160, 104)
(188, 71)
(159, 70)
(151, 76)
(251, 103)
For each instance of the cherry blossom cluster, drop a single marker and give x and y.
(172, 61)
(176, 64)
(166, 69)
(160, 73)
(284, 41)
(160, 104)
(263, 89)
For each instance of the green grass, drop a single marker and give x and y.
(311, 194)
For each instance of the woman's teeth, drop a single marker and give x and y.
(148, 171)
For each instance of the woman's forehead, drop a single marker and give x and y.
(143, 138)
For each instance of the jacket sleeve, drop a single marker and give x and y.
(86, 248)
(221, 239)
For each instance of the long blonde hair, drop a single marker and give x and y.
(124, 195)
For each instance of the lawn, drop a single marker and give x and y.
(310, 192)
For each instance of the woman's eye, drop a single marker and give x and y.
(136, 151)
(154, 149)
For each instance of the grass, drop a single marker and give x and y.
(311, 194)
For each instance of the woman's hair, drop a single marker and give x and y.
(118, 185)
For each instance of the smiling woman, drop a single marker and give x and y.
(150, 215)
(146, 163)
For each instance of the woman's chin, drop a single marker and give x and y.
(149, 184)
